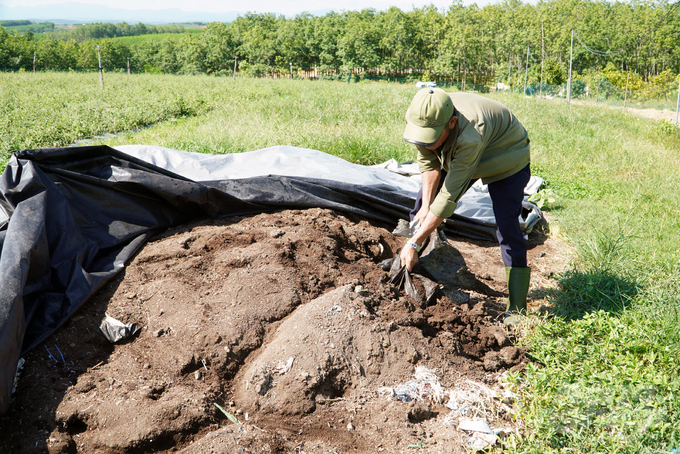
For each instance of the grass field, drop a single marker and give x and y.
(55, 109)
(139, 39)
(606, 375)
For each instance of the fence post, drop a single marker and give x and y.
(34, 55)
(128, 63)
(540, 91)
(509, 68)
(625, 93)
(235, 58)
(464, 74)
(526, 73)
(101, 71)
(571, 59)
(677, 105)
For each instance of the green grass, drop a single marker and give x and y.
(203, 113)
(139, 39)
(55, 109)
(354, 121)
(606, 376)
(606, 357)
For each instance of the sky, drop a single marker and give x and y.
(287, 7)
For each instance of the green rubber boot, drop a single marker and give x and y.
(518, 287)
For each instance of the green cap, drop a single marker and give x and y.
(427, 116)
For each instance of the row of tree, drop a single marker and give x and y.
(22, 26)
(481, 44)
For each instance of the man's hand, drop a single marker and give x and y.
(422, 214)
(409, 257)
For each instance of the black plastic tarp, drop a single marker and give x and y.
(70, 218)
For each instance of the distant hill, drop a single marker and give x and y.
(71, 12)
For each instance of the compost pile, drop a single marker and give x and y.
(275, 333)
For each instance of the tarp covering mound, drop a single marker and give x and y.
(71, 217)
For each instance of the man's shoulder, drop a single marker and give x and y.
(462, 95)
(473, 99)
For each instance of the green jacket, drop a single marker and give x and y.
(488, 142)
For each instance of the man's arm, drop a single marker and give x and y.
(430, 181)
(409, 255)
(428, 221)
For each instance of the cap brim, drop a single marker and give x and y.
(422, 136)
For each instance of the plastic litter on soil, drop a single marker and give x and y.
(278, 333)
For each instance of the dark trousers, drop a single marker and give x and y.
(506, 196)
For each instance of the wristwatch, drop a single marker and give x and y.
(413, 245)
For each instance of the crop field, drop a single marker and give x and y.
(56, 109)
(605, 369)
(156, 37)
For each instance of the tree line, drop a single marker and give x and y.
(22, 26)
(107, 30)
(487, 44)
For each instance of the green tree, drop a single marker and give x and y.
(328, 30)
(358, 46)
(255, 36)
(217, 48)
(398, 40)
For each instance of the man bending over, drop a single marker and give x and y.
(461, 137)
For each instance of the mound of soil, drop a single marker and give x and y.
(284, 322)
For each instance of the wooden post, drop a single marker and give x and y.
(235, 58)
(464, 74)
(571, 59)
(128, 63)
(101, 71)
(526, 73)
(677, 105)
(625, 93)
(540, 90)
(34, 55)
(509, 68)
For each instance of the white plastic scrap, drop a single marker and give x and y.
(480, 441)
(481, 434)
(283, 368)
(468, 398)
(464, 398)
(475, 425)
(425, 385)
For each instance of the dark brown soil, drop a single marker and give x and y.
(287, 323)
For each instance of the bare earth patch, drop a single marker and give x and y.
(653, 114)
(287, 323)
(632, 107)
